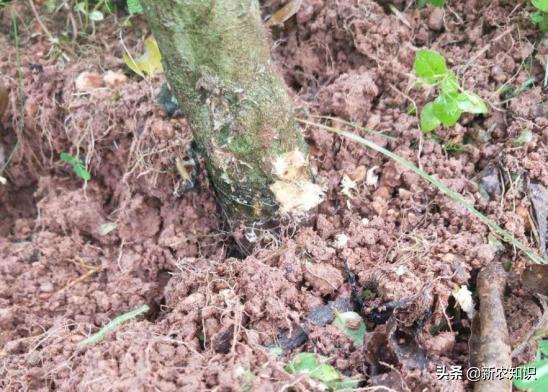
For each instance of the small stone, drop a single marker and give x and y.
(358, 175)
(88, 81)
(46, 287)
(323, 277)
(14, 347)
(435, 21)
(293, 338)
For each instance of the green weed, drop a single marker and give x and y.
(77, 165)
(452, 101)
(134, 7)
(540, 16)
(317, 368)
(538, 371)
(436, 3)
(112, 325)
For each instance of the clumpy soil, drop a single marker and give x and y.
(73, 256)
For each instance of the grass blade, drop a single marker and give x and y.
(112, 325)
(506, 236)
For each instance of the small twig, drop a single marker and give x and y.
(42, 25)
(78, 280)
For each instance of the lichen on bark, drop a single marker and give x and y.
(217, 60)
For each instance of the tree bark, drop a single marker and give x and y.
(217, 61)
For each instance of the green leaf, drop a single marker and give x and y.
(428, 120)
(315, 367)
(149, 62)
(543, 347)
(445, 108)
(449, 84)
(110, 6)
(538, 382)
(430, 65)
(541, 5)
(276, 351)
(134, 7)
(96, 16)
(78, 166)
(525, 137)
(437, 3)
(352, 325)
(471, 103)
(51, 5)
(80, 7)
(540, 19)
(106, 228)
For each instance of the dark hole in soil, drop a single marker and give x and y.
(16, 204)
(158, 299)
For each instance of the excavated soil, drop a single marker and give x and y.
(214, 317)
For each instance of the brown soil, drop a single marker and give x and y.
(214, 316)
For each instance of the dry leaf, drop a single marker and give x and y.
(149, 62)
(284, 13)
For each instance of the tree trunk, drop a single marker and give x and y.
(217, 61)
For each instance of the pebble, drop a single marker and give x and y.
(46, 287)
(435, 21)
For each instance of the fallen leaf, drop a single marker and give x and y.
(284, 13)
(106, 228)
(149, 63)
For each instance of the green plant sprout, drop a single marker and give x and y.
(538, 382)
(134, 7)
(452, 101)
(317, 368)
(540, 16)
(436, 3)
(77, 165)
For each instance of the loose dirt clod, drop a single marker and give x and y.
(73, 258)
